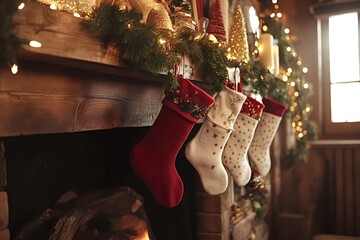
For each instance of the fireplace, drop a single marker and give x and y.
(68, 122)
(41, 168)
(71, 128)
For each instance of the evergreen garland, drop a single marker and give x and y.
(144, 47)
(289, 59)
(139, 45)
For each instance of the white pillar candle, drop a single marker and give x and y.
(265, 50)
(276, 60)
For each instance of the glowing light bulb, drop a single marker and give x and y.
(212, 38)
(76, 15)
(53, 6)
(305, 70)
(272, 15)
(274, 1)
(288, 49)
(279, 15)
(265, 28)
(21, 6)
(14, 69)
(162, 41)
(287, 30)
(35, 44)
(306, 85)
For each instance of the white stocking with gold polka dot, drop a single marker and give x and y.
(235, 153)
(204, 151)
(259, 151)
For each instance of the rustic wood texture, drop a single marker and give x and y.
(5, 234)
(326, 200)
(61, 99)
(344, 167)
(61, 35)
(72, 83)
(4, 210)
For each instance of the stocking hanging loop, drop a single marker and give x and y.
(237, 78)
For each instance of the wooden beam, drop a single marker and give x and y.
(72, 83)
(52, 99)
(61, 35)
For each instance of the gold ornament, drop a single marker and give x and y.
(238, 42)
(160, 18)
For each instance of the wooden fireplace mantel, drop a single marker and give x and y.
(71, 83)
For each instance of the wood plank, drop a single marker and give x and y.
(4, 210)
(61, 34)
(338, 143)
(339, 191)
(64, 38)
(331, 194)
(5, 234)
(68, 100)
(349, 191)
(357, 190)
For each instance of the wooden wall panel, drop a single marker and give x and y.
(339, 191)
(343, 198)
(357, 191)
(349, 190)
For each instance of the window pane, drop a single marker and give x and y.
(344, 48)
(345, 103)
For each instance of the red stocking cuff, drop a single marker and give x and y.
(252, 108)
(274, 107)
(188, 100)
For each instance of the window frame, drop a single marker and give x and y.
(349, 130)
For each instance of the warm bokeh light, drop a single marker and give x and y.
(35, 44)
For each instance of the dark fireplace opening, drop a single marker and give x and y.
(41, 168)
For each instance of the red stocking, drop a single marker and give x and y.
(153, 158)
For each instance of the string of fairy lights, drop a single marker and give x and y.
(293, 75)
(79, 8)
(291, 70)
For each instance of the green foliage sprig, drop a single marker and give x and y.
(138, 44)
(143, 46)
